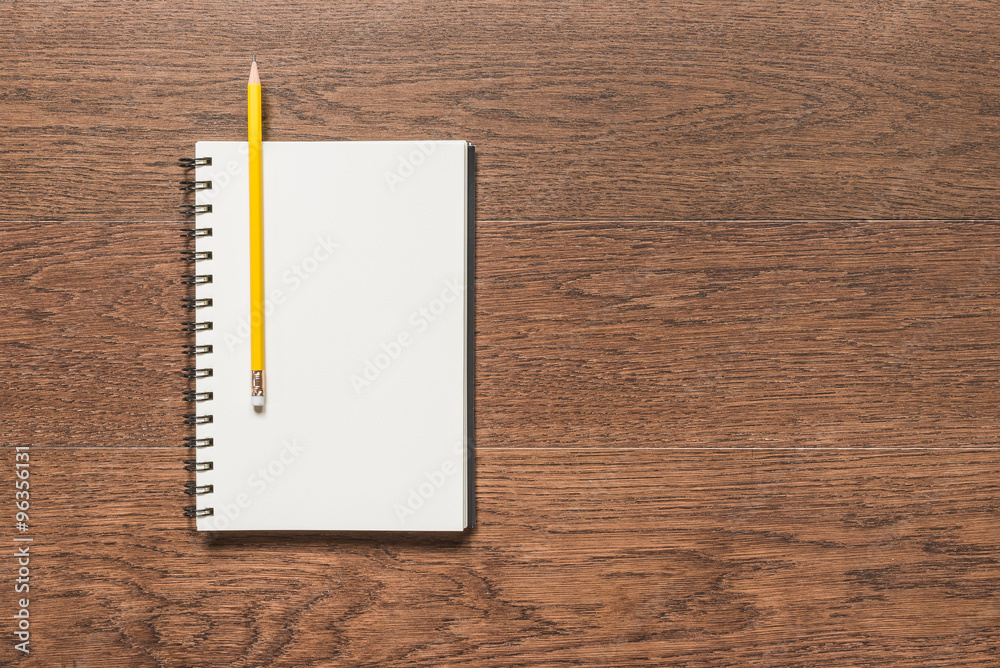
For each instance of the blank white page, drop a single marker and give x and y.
(364, 426)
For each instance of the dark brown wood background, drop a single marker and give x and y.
(737, 324)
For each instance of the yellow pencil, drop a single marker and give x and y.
(256, 239)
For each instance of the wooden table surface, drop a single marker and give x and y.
(736, 355)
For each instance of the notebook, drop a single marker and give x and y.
(367, 424)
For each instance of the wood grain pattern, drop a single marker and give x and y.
(736, 332)
(853, 333)
(849, 333)
(684, 110)
(612, 558)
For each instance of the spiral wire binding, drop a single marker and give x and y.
(190, 163)
(194, 350)
(195, 185)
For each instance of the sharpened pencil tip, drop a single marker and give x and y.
(254, 77)
(253, 58)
